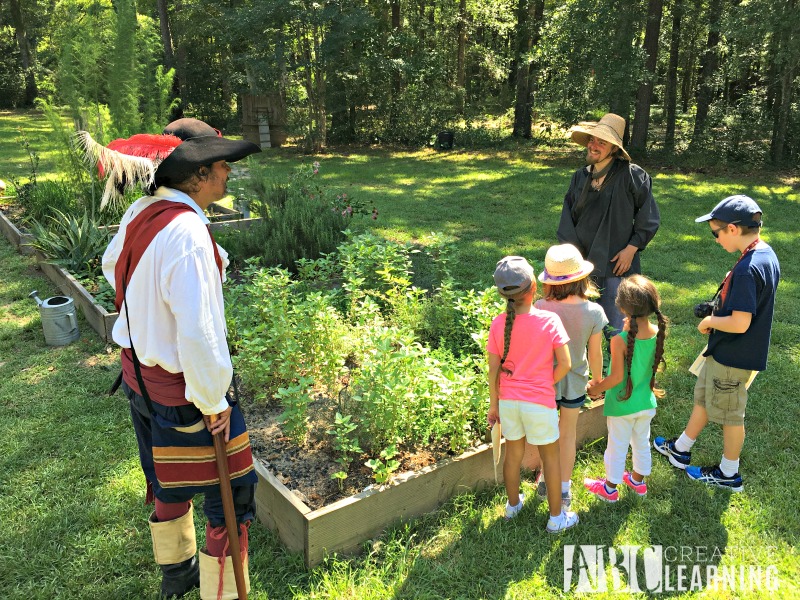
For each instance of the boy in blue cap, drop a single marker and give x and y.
(738, 341)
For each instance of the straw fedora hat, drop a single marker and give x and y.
(564, 264)
(610, 128)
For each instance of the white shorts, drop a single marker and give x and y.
(537, 423)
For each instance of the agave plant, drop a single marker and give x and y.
(75, 243)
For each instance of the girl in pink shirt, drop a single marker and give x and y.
(523, 343)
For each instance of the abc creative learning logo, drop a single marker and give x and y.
(659, 569)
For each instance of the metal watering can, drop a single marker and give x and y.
(59, 321)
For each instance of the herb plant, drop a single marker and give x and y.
(396, 364)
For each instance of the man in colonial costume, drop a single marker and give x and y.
(176, 370)
(609, 212)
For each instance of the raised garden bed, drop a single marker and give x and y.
(343, 526)
(98, 317)
(20, 240)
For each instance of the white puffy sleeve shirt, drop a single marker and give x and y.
(177, 316)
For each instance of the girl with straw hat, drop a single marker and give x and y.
(567, 293)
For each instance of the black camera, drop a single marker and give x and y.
(705, 309)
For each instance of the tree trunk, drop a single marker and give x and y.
(687, 85)
(786, 66)
(179, 46)
(321, 103)
(25, 53)
(461, 34)
(784, 110)
(709, 63)
(397, 76)
(620, 44)
(671, 92)
(166, 34)
(641, 119)
(536, 36)
(522, 104)
(529, 18)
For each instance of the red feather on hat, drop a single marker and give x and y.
(127, 162)
(155, 146)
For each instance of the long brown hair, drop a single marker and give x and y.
(585, 288)
(638, 297)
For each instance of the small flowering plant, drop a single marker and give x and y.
(305, 177)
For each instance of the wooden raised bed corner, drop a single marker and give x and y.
(98, 317)
(345, 525)
(21, 241)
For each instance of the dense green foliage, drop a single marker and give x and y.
(720, 76)
(299, 218)
(350, 328)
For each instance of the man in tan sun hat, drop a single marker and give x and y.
(609, 212)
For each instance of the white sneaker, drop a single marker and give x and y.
(562, 522)
(511, 511)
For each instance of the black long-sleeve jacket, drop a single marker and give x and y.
(623, 212)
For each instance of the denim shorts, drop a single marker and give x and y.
(536, 423)
(576, 403)
(722, 392)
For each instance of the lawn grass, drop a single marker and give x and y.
(71, 490)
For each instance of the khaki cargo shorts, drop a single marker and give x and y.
(722, 391)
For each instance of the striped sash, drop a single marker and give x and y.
(183, 456)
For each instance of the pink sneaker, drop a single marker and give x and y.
(598, 488)
(639, 488)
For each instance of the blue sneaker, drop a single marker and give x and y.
(679, 460)
(713, 476)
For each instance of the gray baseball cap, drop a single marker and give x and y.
(513, 276)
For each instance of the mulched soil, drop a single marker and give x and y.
(306, 470)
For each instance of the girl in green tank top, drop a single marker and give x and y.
(630, 387)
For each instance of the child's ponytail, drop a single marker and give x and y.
(659, 356)
(510, 314)
(633, 329)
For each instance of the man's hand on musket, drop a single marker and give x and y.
(222, 423)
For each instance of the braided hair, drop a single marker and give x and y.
(510, 315)
(638, 297)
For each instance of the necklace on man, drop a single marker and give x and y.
(598, 177)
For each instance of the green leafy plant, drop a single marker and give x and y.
(75, 243)
(382, 469)
(295, 400)
(345, 443)
(300, 219)
(101, 291)
(352, 323)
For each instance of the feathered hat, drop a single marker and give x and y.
(160, 159)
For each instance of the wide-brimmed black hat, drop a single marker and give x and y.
(198, 151)
(150, 159)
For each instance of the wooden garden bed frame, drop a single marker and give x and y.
(345, 525)
(98, 317)
(21, 241)
(101, 320)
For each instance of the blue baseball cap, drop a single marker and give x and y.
(737, 209)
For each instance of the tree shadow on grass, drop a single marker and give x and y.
(665, 529)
